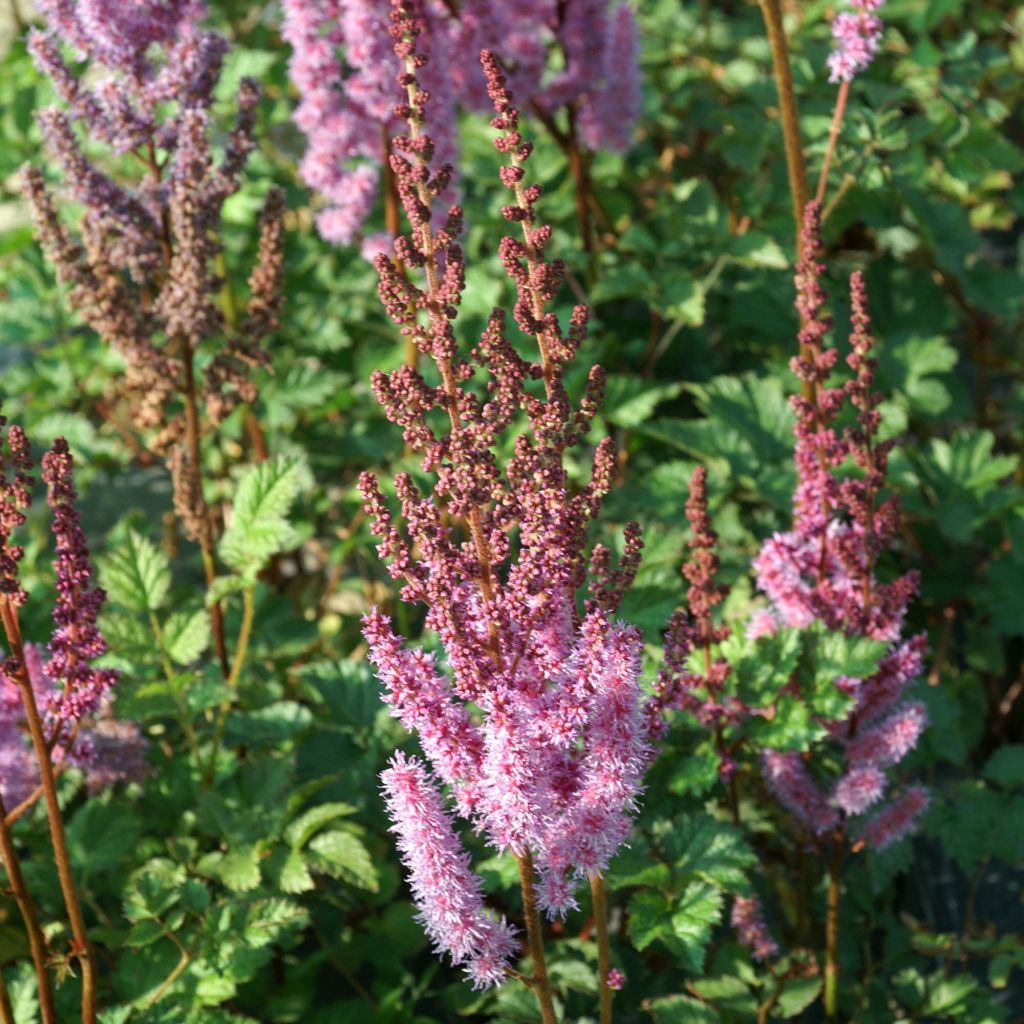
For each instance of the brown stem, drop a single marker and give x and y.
(6, 1010)
(604, 955)
(799, 192)
(941, 651)
(535, 941)
(393, 222)
(833, 137)
(81, 947)
(203, 510)
(448, 382)
(27, 908)
(769, 1004)
(581, 178)
(835, 868)
(257, 438)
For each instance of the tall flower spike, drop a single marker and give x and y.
(76, 641)
(143, 273)
(825, 570)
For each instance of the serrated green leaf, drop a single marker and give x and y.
(648, 918)
(307, 824)
(238, 869)
(187, 635)
(136, 575)
(259, 527)
(693, 917)
(343, 856)
(294, 876)
(710, 850)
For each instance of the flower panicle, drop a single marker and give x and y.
(537, 722)
(858, 35)
(825, 568)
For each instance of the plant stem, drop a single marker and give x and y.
(835, 867)
(81, 947)
(202, 510)
(581, 178)
(535, 940)
(241, 649)
(799, 192)
(833, 137)
(393, 222)
(604, 953)
(36, 939)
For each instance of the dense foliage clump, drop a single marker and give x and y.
(511, 512)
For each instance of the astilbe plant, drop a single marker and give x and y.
(535, 722)
(824, 570)
(339, 66)
(142, 271)
(60, 699)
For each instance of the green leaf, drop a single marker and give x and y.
(712, 851)
(630, 401)
(187, 635)
(294, 876)
(143, 933)
(683, 1010)
(693, 917)
(341, 855)
(798, 994)
(1006, 766)
(648, 918)
(222, 587)
(137, 574)
(307, 824)
(259, 527)
(238, 869)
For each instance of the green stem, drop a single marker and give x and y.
(241, 649)
(183, 710)
(604, 953)
(835, 868)
(541, 983)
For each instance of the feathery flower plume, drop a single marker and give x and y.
(339, 67)
(548, 761)
(897, 819)
(748, 920)
(142, 272)
(446, 890)
(857, 34)
(824, 569)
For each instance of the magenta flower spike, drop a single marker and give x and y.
(748, 920)
(857, 34)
